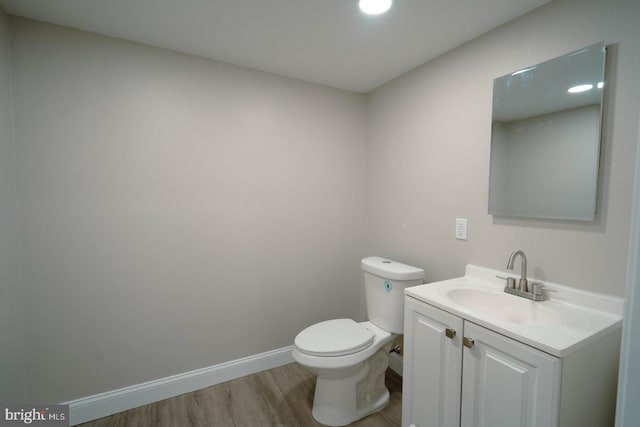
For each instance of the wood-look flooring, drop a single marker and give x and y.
(279, 397)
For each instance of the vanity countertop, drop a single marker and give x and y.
(568, 319)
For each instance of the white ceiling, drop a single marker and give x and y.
(322, 41)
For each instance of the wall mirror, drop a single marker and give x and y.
(545, 138)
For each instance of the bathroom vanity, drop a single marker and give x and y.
(477, 356)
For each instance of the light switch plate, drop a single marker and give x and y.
(461, 228)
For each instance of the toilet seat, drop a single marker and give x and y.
(332, 338)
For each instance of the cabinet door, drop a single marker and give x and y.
(507, 383)
(432, 366)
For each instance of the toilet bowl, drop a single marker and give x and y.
(350, 358)
(351, 373)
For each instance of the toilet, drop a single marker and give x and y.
(350, 358)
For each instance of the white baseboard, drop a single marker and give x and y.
(111, 402)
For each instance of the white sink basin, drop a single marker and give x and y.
(559, 325)
(505, 307)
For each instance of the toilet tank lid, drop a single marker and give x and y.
(393, 270)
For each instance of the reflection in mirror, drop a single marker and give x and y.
(545, 140)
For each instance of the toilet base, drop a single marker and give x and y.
(341, 401)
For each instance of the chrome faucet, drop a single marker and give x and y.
(535, 293)
(523, 286)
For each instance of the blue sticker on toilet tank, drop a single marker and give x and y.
(387, 286)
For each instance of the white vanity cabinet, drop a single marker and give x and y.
(457, 373)
(507, 383)
(432, 366)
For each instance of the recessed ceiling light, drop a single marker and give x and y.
(374, 7)
(600, 85)
(580, 88)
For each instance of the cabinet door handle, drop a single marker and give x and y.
(450, 333)
(468, 342)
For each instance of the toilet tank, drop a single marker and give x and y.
(384, 284)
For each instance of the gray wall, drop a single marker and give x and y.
(176, 212)
(428, 151)
(12, 366)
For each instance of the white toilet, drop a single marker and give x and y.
(350, 358)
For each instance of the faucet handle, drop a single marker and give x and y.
(511, 281)
(537, 288)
